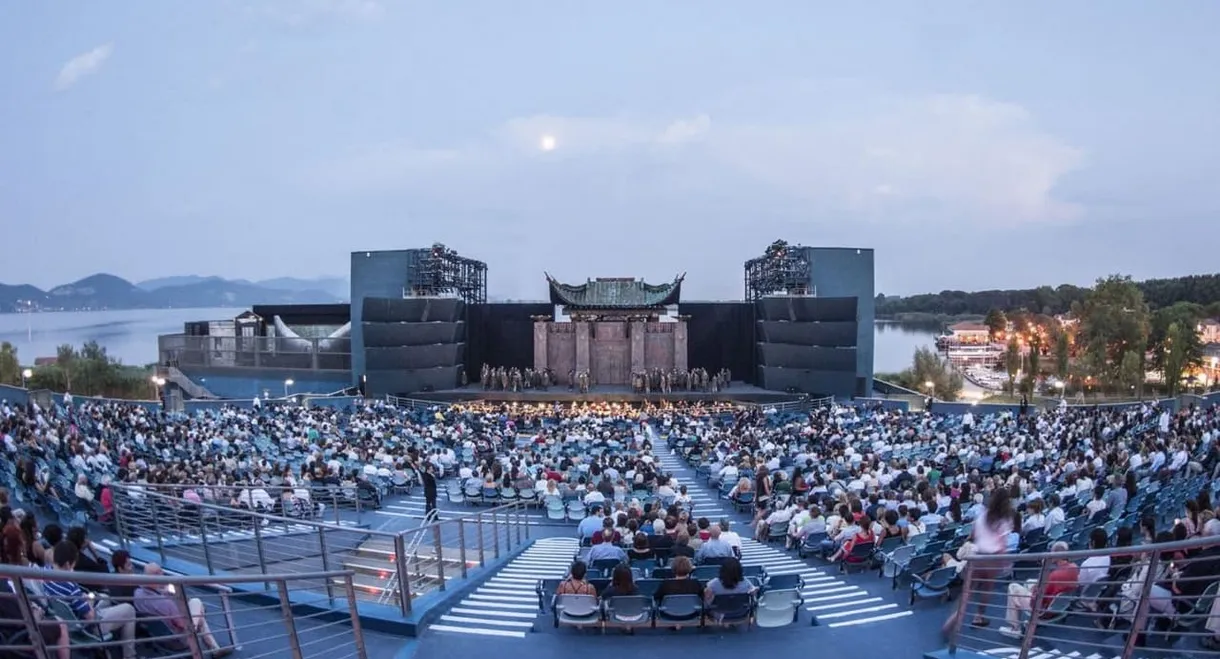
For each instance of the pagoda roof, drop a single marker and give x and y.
(615, 293)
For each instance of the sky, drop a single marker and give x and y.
(973, 145)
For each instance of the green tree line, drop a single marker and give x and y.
(86, 371)
(1202, 290)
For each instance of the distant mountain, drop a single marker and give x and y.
(104, 291)
(337, 287)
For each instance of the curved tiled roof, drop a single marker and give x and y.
(622, 293)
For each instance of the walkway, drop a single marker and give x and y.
(836, 600)
(506, 606)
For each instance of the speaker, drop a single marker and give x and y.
(386, 335)
(413, 310)
(805, 309)
(400, 382)
(828, 334)
(414, 356)
(784, 355)
(814, 382)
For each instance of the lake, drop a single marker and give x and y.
(131, 336)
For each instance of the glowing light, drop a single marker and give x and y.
(547, 143)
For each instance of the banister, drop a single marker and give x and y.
(110, 579)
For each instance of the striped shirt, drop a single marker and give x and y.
(70, 593)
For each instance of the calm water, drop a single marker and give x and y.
(132, 335)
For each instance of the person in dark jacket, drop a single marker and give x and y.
(429, 480)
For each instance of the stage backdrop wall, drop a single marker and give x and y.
(721, 335)
(501, 334)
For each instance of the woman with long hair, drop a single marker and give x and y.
(990, 537)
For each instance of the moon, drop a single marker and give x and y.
(547, 143)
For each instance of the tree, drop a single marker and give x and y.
(927, 366)
(1187, 316)
(1012, 360)
(996, 322)
(1114, 321)
(65, 359)
(1063, 352)
(1131, 371)
(10, 366)
(1035, 356)
(1173, 356)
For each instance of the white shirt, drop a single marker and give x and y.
(988, 540)
(1093, 569)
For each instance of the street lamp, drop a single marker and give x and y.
(1060, 384)
(157, 382)
(28, 373)
(287, 384)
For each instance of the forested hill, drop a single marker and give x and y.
(1198, 289)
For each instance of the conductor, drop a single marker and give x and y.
(429, 480)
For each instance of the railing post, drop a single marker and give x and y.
(203, 538)
(963, 607)
(353, 611)
(119, 496)
(286, 610)
(192, 634)
(495, 533)
(1140, 619)
(462, 544)
(330, 587)
(519, 513)
(262, 554)
(1035, 606)
(404, 576)
(440, 555)
(157, 530)
(27, 614)
(478, 522)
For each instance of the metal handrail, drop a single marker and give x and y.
(335, 500)
(206, 532)
(1129, 596)
(197, 637)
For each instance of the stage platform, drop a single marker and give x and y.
(736, 392)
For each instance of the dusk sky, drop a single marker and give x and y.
(972, 144)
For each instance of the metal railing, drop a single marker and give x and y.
(415, 403)
(388, 567)
(254, 352)
(171, 616)
(1156, 600)
(324, 503)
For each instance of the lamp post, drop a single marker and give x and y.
(157, 382)
(287, 385)
(1212, 379)
(26, 375)
(1059, 384)
(931, 388)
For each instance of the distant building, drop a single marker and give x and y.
(970, 333)
(1209, 331)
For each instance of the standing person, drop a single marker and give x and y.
(990, 536)
(429, 480)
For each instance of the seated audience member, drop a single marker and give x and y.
(606, 551)
(714, 547)
(680, 583)
(121, 560)
(730, 537)
(640, 550)
(120, 618)
(730, 581)
(1063, 578)
(88, 559)
(607, 534)
(575, 583)
(156, 601)
(54, 633)
(682, 545)
(622, 583)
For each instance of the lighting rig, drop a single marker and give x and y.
(781, 270)
(441, 272)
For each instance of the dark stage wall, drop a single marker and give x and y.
(721, 335)
(501, 335)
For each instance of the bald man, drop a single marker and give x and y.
(157, 601)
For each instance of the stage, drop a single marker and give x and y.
(736, 392)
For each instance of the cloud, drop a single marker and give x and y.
(83, 65)
(960, 159)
